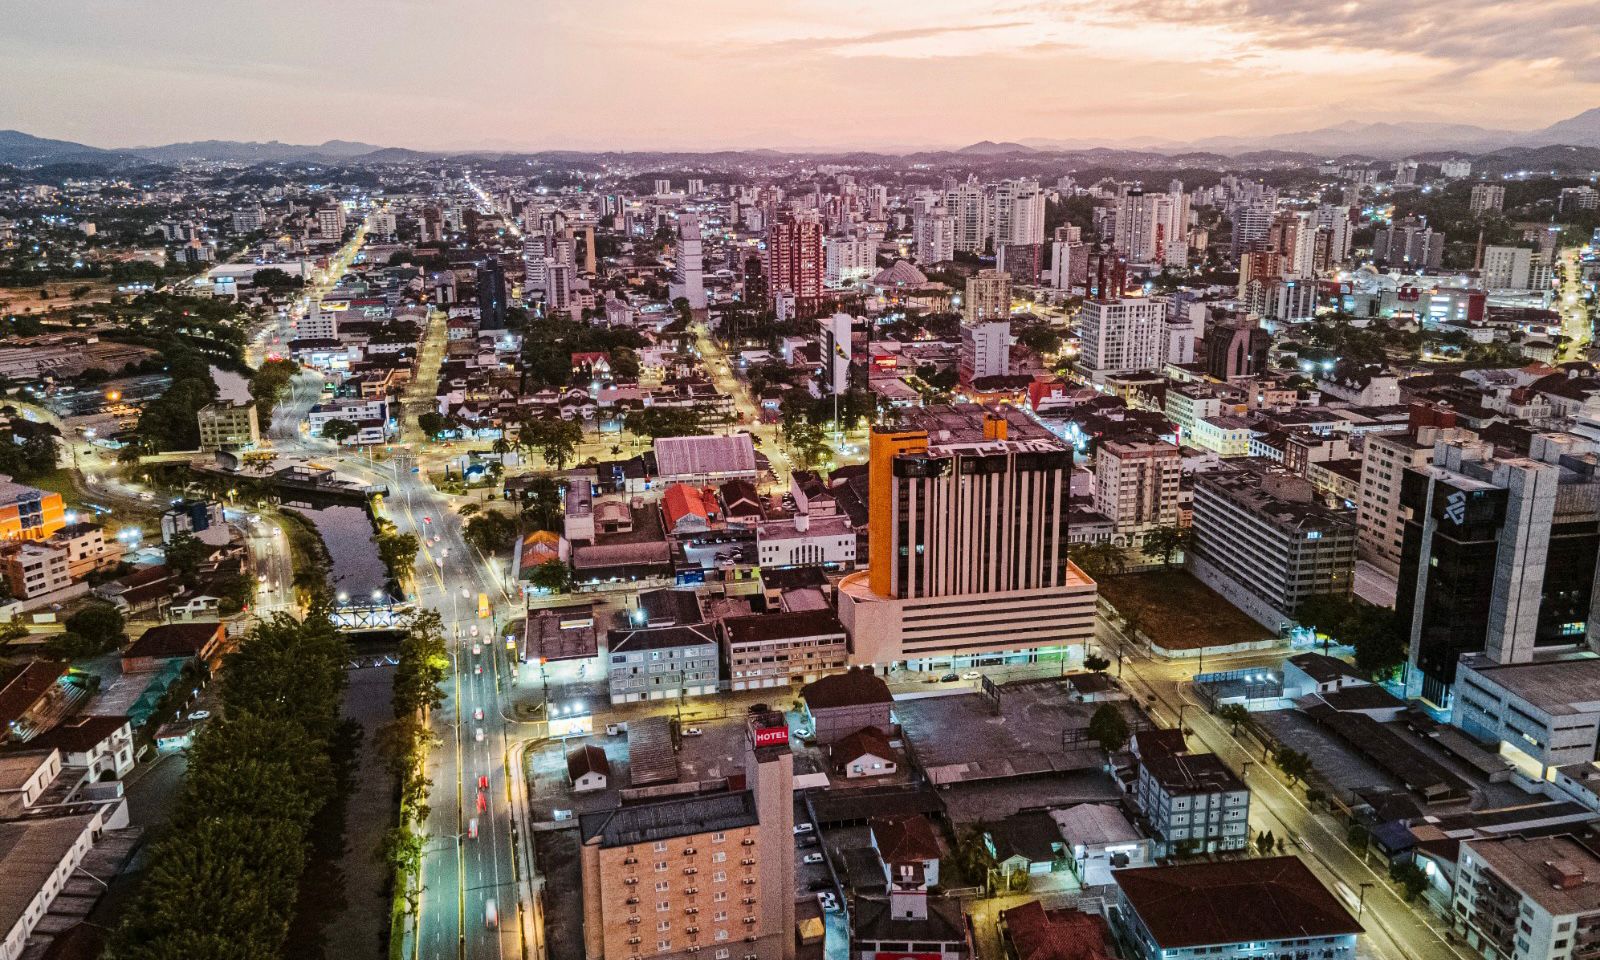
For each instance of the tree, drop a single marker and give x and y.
(1294, 764)
(1099, 559)
(398, 551)
(541, 504)
(100, 624)
(1108, 728)
(552, 575)
(184, 555)
(654, 423)
(808, 443)
(1096, 663)
(401, 850)
(491, 532)
(1163, 542)
(339, 430)
(432, 423)
(1410, 878)
(557, 440)
(1235, 714)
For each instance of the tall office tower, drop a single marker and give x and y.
(535, 251)
(969, 207)
(1499, 556)
(1020, 260)
(1148, 222)
(692, 870)
(1136, 483)
(331, 222)
(877, 202)
(1384, 460)
(836, 352)
(847, 260)
(987, 297)
(755, 281)
(1251, 220)
(1507, 268)
(968, 544)
(1411, 244)
(560, 282)
(936, 236)
(491, 295)
(1486, 197)
(1018, 212)
(795, 261)
(688, 281)
(1122, 335)
(589, 259)
(1069, 263)
(985, 350)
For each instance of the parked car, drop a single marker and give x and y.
(800, 828)
(971, 675)
(199, 714)
(811, 858)
(949, 678)
(693, 731)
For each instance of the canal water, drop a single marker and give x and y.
(357, 570)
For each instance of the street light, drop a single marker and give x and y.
(1361, 902)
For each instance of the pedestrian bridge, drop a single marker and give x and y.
(361, 619)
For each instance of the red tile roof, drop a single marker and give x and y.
(1065, 934)
(904, 839)
(23, 689)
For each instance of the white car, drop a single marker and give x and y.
(811, 858)
(199, 714)
(801, 828)
(477, 734)
(466, 593)
(473, 629)
(972, 675)
(476, 649)
(692, 731)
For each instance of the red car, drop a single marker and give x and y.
(483, 781)
(483, 802)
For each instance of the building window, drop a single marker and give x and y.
(662, 906)
(661, 866)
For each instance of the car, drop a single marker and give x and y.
(808, 840)
(473, 629)
(972, 675)
(802, 733)
(199, 714)
(491, 919)
(483, 781)
(477, 734)
(826, 901)
(800, 828)
(477, 714)
(692, 731)
(811, 858)
(466, 593)
(483, 802)
(261, 579)
(472, 829)
(476, 649)
(427, 519)
(949, 678)
(477, 669)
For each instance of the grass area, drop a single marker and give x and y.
(307, 553)
(1178, 612)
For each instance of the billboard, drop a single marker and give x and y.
(771, 736)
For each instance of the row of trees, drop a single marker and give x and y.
(1377, 633)
(268, 385)
(26, 458)
(424, 659)
(225, 880)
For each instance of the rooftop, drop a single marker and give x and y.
(30, 853)
(665, 819)
(766, 627)
(853, 687)
(1560, 874)
(1560, 687)
(1063, 934)
(963, 424)
(1192, 773)
(701, 456)
(1236, 901)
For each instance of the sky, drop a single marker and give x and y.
(820, 74)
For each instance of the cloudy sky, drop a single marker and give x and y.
(741, 73)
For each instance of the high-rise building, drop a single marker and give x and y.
(560, 285)
(1069, 264)
(1122, 335)
(1485, 198)
(969, 208)
(28, 513)
(1384, 460)
(1528, 897)
(688, 281)
(1263, 539)
(692, 871)
(836, 349)
(226, 425)
(1251, 220)
(968, 542)
(1336, 220)
(491, 295)
(936, 236)
(848, 260)
(535, 251)
(319, 323)
(1235, 349)
(1148, 222)
(1498, 557)
(331, 222)
(1022, 261)
(1410, 243)
(985, 350)
(249, 219)
(795, 262)
(987, 297)
(1136, 484)
(1507, 268)
(1018, 212)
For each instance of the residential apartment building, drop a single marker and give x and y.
(1136, 484)
(1384, 460)
(1272, 907)
(777, 649)
(1264, 540)
(688, 280)
(28, 513)
(1528, 898)
(87, 548)
(663, 663)
(1187, 403)
(795, 261)
(935, 233)
(331, 222)
(708, 874)
(987, 297)
(1122, 335)
(1486, 197)
(1193, 802)
(970, 210)
(967, 521)
(1499, 556)
(848, 260)
(1507, 268)
(226, 425)
(33, 569)
(985, 350)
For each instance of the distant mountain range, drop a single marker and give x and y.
(1374, 140)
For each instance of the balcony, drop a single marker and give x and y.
(748, 861)
(630, 881)
(633, 900)
(689, 851)
(690, 871)
(747, 842)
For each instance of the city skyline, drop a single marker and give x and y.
(786, 77)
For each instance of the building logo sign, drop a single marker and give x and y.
(1455, 508)
(771, 736)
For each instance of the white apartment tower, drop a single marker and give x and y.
(1122, 335)
(936, 236)
(688, 280)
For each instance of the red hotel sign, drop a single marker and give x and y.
(772, 736)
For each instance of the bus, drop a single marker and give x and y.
(483, 605)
